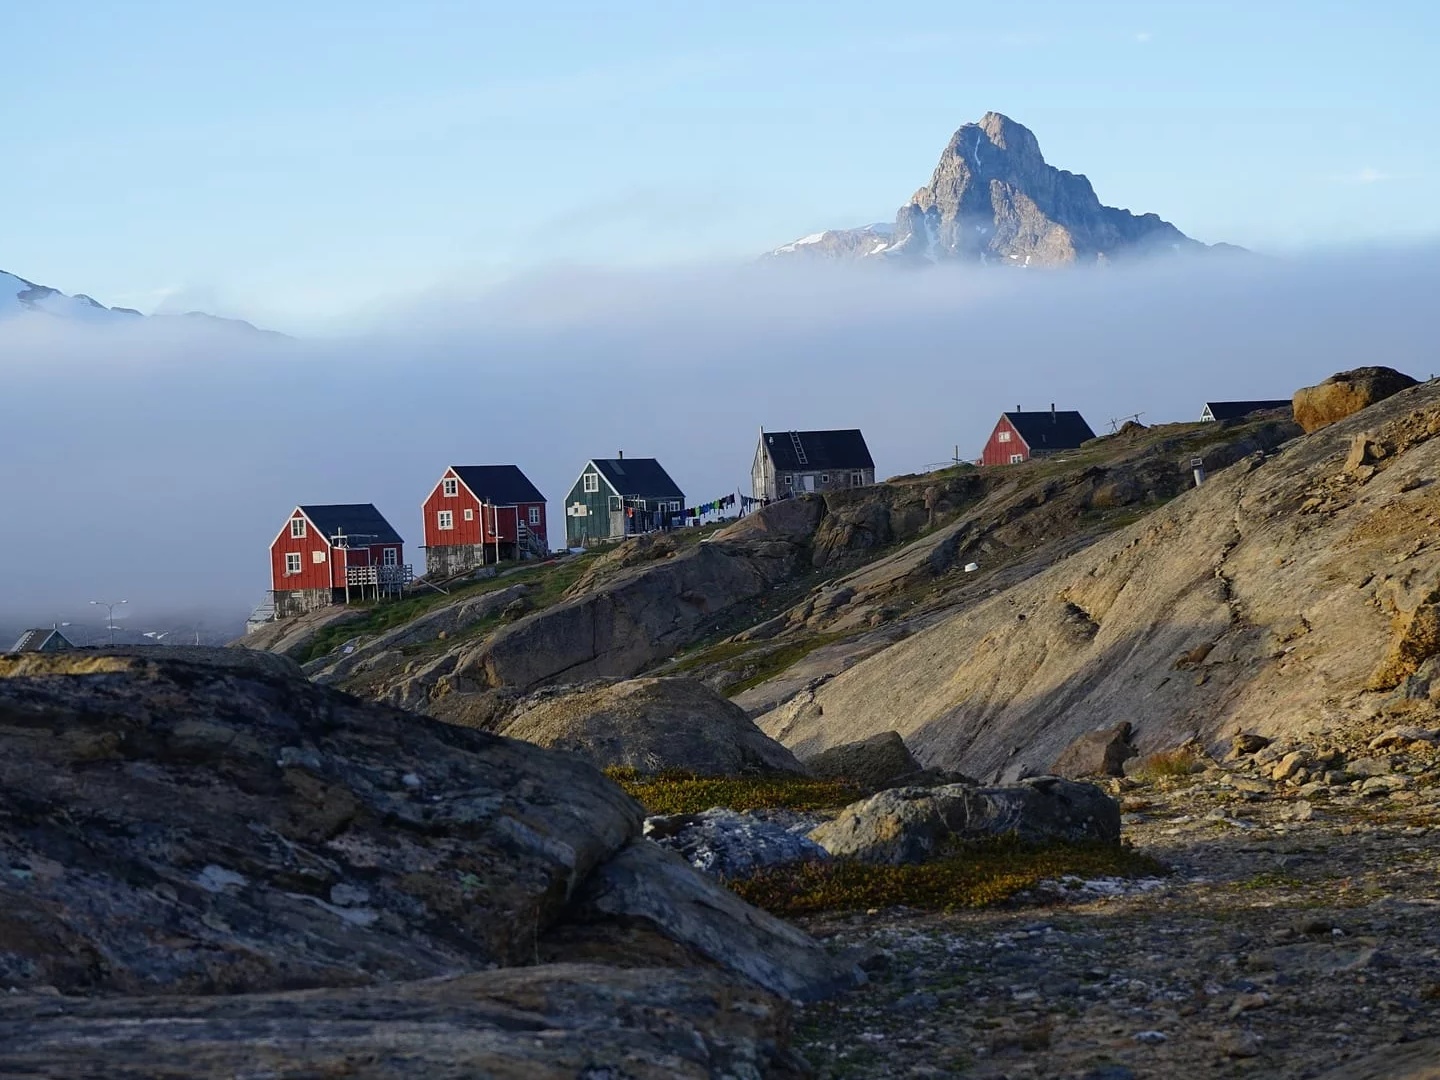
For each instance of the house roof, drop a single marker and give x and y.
(841, 449)
(1234, 410)
(353, 519)
(36, 640)
(638, 477)
(1050, 430)
(503, 485)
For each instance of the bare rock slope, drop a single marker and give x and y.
(1290, 591)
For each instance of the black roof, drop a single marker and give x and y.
(36, 640)
(353, 519)
(1234, 410)
(638, 477)
(503, 485)
(843, 449)
(1050, 430)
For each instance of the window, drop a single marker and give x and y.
(317, 557)
(292, 563)
(297, 528)
(592, 481)
(674, 507)
(445, 519)
(614, 503)
(1003, 436)
(392, 557)
(451, 487)
(856, 479)
(824, 478)
(789, 480)
(1016, 459)
(534, 515)
(469, 514)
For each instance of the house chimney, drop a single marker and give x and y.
(1053, 418)
(620, 455)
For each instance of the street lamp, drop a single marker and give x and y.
(109, 615)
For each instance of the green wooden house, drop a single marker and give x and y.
(617, 497)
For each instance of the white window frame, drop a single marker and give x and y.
(616, 504)
(824, 478)
(297, 528)
(789, 480)
(534, 515)
(856, 479)
(1017, 459)
(293, 563)
(391, 557)
(1002, 436)
(445, 520)
(469, 514)
(591, 482)
(450, 487)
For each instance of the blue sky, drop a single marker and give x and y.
(297, 162)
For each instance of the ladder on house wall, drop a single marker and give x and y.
(799, 450)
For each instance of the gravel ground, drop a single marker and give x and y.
(1300, 928)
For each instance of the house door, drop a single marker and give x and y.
(808, 482)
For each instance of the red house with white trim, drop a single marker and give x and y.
(334, 554)
(478, 514)
(1020, 436)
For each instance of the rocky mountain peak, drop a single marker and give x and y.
(993, 199)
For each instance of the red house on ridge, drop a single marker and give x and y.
(482, 513)
(1020, 436)
(334, 554)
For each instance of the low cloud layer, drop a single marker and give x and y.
(158, 462)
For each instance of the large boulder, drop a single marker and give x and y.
(1345, 393)
(910, 825)
(649, 725)
(1097, 753)
(648, 886)
(183, 822)
(878, 762)
(550, 1022)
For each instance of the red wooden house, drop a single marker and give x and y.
(478, 514)
(1019, 436)
(332, 555)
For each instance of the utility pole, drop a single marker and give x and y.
(109, 615)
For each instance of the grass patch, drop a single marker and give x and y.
(978, 874)
(1183, 761)
(685, 793)
(764, 668)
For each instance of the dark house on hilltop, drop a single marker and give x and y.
(482, 513)
(1020, 436)
(332, 555)
(795, 462)
(617, 497)
(42, 640)
(1238, 410)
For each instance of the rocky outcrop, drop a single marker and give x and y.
(993, 198)
(910, 825)
(207, 821)
(1345, 393)
(550, 1022)
(649, 725)
(1288, 592)
(173, 824)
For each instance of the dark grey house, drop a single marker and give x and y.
(796, 462)
(42, 640)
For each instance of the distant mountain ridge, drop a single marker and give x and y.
(993, 198)
(20, 297)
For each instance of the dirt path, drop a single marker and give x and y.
(1294, 934)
